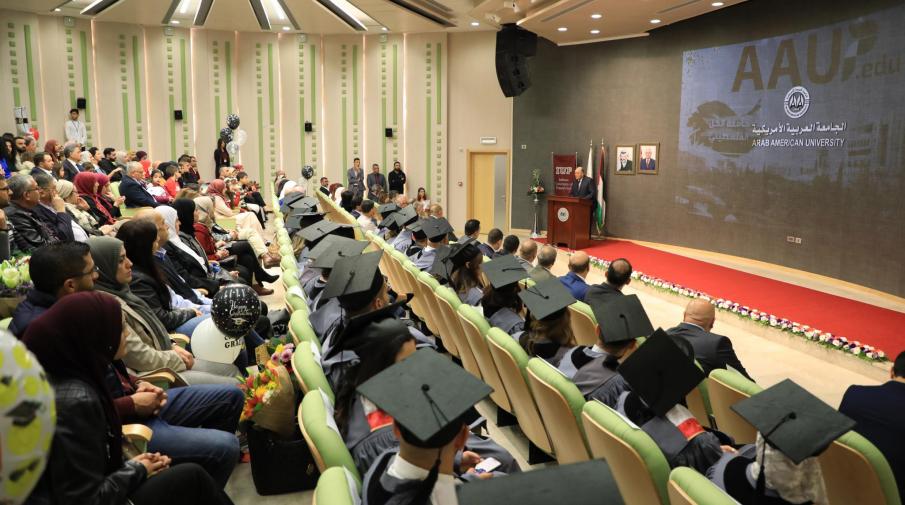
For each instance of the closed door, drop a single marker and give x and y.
(488, 191)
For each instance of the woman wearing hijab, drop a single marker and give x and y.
(83, 223)
(86, 464)
(149, 346)
(53, 148)
(106, 196)
(223, 208)
(87, 186)
(207, 217)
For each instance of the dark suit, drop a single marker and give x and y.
(584, 188)
(711, 350)
(135, 194)
(486, 250)
(35, 171)
(106, 166)
(626, 168)
(61, 222)
(879, 411)
(645, 165)
(599, 294)
(70, 169)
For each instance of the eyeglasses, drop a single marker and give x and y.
(89, 272)
(4, 188)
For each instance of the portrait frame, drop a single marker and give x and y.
(654, 147)
(629, 149)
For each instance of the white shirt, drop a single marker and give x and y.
(366, 223)
(75, 132)
(444, 492)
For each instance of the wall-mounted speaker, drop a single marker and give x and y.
(177, 115)
(81, 103)
(309, 127)
(514, 45)
(388, 133)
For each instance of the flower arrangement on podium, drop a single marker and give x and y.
(537, 187)
(825, 339)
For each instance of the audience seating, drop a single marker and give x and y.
(433, 317)
(584, 324)
(726, 388)
(315, 416)
(474, 327)
(336, 486)
(855, 471)
(448, 303)
(307, 369)
(295, 298)
(639, 467)
(301, 331)
(688, 487)
(138, 435)
(476, 335)
(559, 403)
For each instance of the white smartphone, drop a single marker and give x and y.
(487, 465)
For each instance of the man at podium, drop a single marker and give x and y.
(583, 187)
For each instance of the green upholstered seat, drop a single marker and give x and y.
(855, 471)
(638, 465)
(227, 223)
(295, 299)
(4, 323)
(300, 328)
(725, 388)
(320, 432)
(291, 280)
(307, 369)
(688, 487)
(560, 403)
(336, 486)
(474, 327)
(114, 188)
(286, 250)
(584, 324)
(449, 303)
(288, 263)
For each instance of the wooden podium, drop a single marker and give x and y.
(569, 221)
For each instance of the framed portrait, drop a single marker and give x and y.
(648, 158)
(625, 160)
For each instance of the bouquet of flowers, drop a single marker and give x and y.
(537, 186)
(16, 282)
(269, 399)
(281, 352)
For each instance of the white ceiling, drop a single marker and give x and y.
(619, 18)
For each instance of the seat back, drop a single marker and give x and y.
(511, 362)
(726, 388)
(638, 465)
(584, 324)
(315, 417)
(855, 471)
(336, 486)
(489, 372)
(432, 312)
(306, 365)
(688, 487)
(474, 327)
(449, 302)
(301, 331)
(295, 299)
(559, 403)
(410, 272)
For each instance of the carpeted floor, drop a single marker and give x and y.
(880, 327)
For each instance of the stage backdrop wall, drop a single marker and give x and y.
(747, 158)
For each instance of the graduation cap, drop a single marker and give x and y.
(436, 228)
(370, 330)
(298, 201)
(427, 395)
(660, 373)
(326, 243)
(462, 253)
(546, 298)
(24, 413)
(405, 217)
(351, 276)
(504, 271)
(588, 483)
(622, 318)
(386, 209)
(442, 267)
(321, 229)
(299, 220)
(417, 229)
(345, 249)
(795, 422)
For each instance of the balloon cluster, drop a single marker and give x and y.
(233, 135)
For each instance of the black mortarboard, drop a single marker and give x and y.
(660, 373)
(387, 209)
(504, 270)
(405, 217)
(326, 243)
(299, 220)
(795, 422)
(622, 318)
(442, 266)
(370, 330)
(434, 229)
(323, 228)
(546, 298)
(588, 483)
(352, 276)
(417, 230)
(337, 251)
(389, 221)
(427, 394)
(294, 197)
(462, 253)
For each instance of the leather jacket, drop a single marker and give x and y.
(28, 233)
(76, 469)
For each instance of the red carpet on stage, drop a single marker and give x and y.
(876, 326)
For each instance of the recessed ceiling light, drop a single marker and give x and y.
(717, 4)
(475, 23)
(285, 28)
(384, 28)
(174, 21)
(654, 21)
(562, 29)
(58, 9)
(596, 16)
(595, 32)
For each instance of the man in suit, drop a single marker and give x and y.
(325, 186)
(108, 163)
(356, 179)
(377, 182)
(624, 164)
(527, 251)
(618, 275)
(494, 243)
(574, 281)
(29, 232)
(879, 411)
(647, 163)
(43, 165)
(72, 153)
(711, 350)
(132, 187)
(546, 257)
(52, 210)
(583, 187)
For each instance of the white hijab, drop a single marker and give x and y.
(169, 217)
(794, 483)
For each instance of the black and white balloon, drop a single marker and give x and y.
(307, 172)
(235, 309)
(226, 135)
(232, 120)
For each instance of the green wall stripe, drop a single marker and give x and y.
(229, 79)
(302, 129)
(427, 145)
(183, 77)
(17, 98)
(30, 77)
(126, 136)
(355, 85)
(313, 65)
(383, 125)
(217, 116)
(261, 138)
(172, 101)
(136, 77)
(270, 84)
(439, 85)
(395, 86)
(345, 137)
(83, 42)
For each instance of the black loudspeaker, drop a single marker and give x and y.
(388, 133)
(308, 126)
(177, 115)
(514, 46)
(81, 103)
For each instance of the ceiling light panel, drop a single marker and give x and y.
(356, 18)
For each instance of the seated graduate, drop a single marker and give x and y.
(711, 350)
(619, 324)
(587, 483)
(403, 218)
(659, 375)
(501, 304)
(436, 230)
(548, 330)
(323, 257)
(467, 278)
(781, 468)
(419, 240)
(428, 398)
(313, 234)
(86, 463)
(385, 211)
(618, 275)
